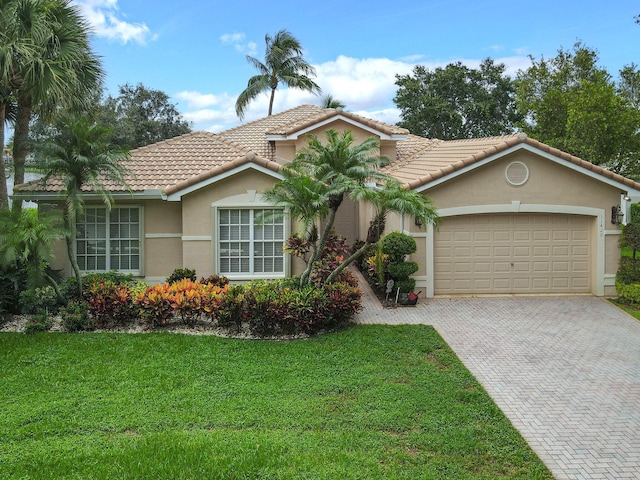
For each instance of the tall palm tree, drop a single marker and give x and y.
(316, 182)
(283, 63)
(80, 156)
(4, 107)
(47, 63)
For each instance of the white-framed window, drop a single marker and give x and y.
(110, 240)
(250, 242)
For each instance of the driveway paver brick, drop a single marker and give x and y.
(565, 370)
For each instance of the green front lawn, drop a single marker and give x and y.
(368, 402)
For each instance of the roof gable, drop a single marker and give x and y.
(296, 129)
(423, 163)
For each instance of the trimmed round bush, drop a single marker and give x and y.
(397, 245)
(402, 270)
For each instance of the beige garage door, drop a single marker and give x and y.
(513, 253)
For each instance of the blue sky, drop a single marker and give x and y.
(195, 50)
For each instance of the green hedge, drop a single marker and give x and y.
(629, 293)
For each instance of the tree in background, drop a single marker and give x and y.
(283, 63)
(80, 155)
(46, 62)
(457, 102)
(572, 104)
(328, 101)
(141, 116)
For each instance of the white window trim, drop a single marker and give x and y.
(248, 201)
(141, 236)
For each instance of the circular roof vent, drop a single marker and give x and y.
(516, 174)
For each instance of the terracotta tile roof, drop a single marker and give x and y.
(421, 161)
(252, 135)
(181, 162)
(177, 163)
(326, 114)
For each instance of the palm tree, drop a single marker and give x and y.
(46, 63)
(26, 242)
(316, 182)
(283, 63)
(329, 102)
(79, 155)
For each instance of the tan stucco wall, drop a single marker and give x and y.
(549, 183)
(285, 151)
(196, 206)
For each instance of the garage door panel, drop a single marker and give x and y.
(541, 235)
(522, 284)
(521, 267)
(541, 267)
(579, 251)
(541, 283)
(513, 253)
(462, 236)
(502, 267)
(561, 250)
(482, 236)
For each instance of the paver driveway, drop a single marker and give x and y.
(565, 371)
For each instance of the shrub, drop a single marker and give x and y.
(181, 273)
(405, 285)
(279, 308)
(344, 303)
(13, 280)
(185, 298)
(69, 289)
(629, 293)
(39, 299)
(110, 304)
(217, 280)
(402, 270)
(398, 245)
(229, 313)
(335, 251)
(40, 322)
(75, 317)
(628, 271)
(377, 266)
(635, 212)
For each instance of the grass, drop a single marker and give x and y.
(375, 402)
(632, 310)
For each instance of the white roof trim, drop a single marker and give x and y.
(117, 195)
(525, 146)
(177, 196)
(298, 133)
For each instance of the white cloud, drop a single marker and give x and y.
(366, 86)
(237, 40)
(106, 21)
(231, 38)
(197, 100)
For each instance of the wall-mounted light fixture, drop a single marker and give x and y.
(616, 215)
(418, 222)
(626, 198)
